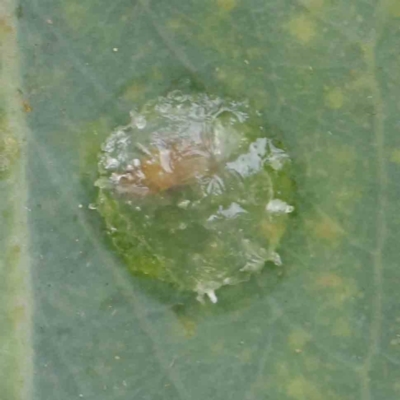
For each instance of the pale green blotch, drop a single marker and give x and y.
(302, 27)
(255, 53)
(216, 31)
(344, 293)
(9, 149)
(311, 363)
(393, 7)
(334, 98)
(176, 24)
(301, 388)
(395, 156)
(236, 79)
(75, 14)
(226, 5)
(313, 5)
(347, 198)
(343, 156)
(246, 356)
(342, 328)
(134, 91)
(298, 338)
(157, 74)
(218, 347)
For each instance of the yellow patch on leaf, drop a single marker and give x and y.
(302, 28)
(394, 8)
(334, 98)
(395, 156)
(341, 328)
(226, 5)
(298, 339)
(301, 388)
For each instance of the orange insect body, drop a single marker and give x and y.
(166, 168)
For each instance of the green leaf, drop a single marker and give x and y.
(75, 324)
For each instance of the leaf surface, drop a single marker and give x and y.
(325, 75)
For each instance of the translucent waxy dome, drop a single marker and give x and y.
(194, 193)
